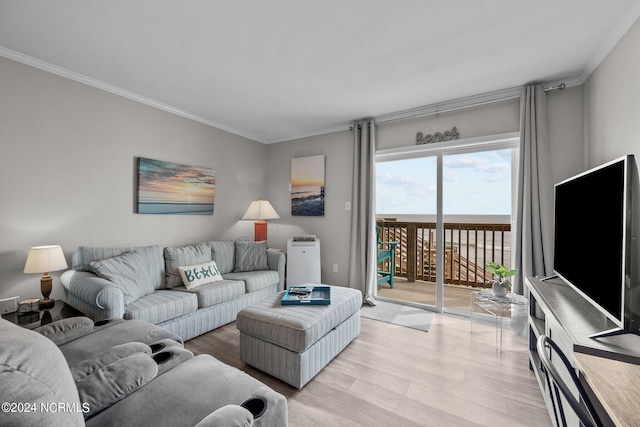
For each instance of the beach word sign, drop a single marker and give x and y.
(437, 137)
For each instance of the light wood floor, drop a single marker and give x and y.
(395, 376)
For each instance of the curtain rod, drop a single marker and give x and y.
(561, 86)
(459, 104)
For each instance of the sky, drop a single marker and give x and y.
(168, 182)
(307, 171)
(474, 184)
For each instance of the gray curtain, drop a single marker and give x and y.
(534, 220)
(363, 253)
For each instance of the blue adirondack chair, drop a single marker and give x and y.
(386, 251)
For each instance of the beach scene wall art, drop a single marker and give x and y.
(307, 186)
(172, 188)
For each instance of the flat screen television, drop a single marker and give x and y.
(592, 238)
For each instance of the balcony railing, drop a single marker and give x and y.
(468, 248)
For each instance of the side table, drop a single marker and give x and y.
(499, 307)
(34, 319)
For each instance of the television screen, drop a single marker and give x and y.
(590, 235)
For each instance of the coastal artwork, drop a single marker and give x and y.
(172, 188)
(307, 186)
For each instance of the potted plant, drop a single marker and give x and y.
(500, 282)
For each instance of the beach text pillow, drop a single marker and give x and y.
(200, 274)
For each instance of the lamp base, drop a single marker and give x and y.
(45, 287)
(46, 303)
(260, 231)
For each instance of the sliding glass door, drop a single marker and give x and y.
(406, 197)
(477, 204)
(449, 207)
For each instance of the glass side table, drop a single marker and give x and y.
(499, 307)
(36, 318)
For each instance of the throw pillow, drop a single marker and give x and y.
(188, 255)
(223, 253)
(197, 275)
(251, 256)
(128, 272)
(152, 255)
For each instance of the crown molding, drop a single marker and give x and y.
(611, 40)
(339, 128)
(426, 110)
(80, 78)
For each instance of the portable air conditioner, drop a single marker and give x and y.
(303, 260)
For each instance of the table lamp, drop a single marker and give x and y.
(260, 210)
(44, 259)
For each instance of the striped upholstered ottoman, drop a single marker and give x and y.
(293, 343)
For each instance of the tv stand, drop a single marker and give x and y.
(612, 333)
(560, 312)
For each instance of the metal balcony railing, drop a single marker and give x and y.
(468, 248)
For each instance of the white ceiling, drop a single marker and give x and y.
(282, 69)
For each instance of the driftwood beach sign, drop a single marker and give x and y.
(437, 137)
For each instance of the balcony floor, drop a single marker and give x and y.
(455, 296)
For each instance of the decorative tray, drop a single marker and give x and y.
(307, 295)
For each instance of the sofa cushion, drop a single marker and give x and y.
(160, 306)
(223, 253)
(200, 274)
(216, 292)
(255, 280)
(34, 371)
(250, 256)
(153, 259)
(187, 255)
(127, 272)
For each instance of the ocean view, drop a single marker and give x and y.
(175, 208)
(307, 200)
(465, 219)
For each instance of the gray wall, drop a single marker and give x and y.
(333, 229)
(67, 172)
(490, 119)
(612, 111)
(612, 103)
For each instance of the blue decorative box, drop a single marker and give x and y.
(307, 295)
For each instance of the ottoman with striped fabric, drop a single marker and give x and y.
(293, 343)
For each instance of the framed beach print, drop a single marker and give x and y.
(307, 186)
(172, 188)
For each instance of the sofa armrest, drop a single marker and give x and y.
(102, 299)
(276, 261)
(114, 381)
(275, 407)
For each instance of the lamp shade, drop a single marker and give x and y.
(260, 209)
(44, 259)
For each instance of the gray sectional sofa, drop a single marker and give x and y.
(123, 373)
(145, 283)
